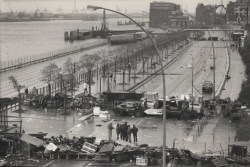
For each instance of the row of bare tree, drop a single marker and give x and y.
(122, 55)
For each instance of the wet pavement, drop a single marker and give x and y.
(214, 137)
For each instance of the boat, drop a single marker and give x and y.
(119, 23)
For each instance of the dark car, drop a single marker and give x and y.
(128, 108)
(207, 87)
(227, 76)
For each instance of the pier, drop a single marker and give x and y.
(85, 34)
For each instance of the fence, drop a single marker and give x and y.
(80, 78)
(4, 122)
(38, 58)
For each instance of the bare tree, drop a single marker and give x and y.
(18, 88)
(69, 70)
(87, 62)
(49, 75)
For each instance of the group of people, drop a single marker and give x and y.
(34, 91)
(124, 132)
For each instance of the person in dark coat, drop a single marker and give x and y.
(110, 128)
(129, 131)
(125, 131)
(118, 130)
(135, 131)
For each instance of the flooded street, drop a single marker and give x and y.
(214, 137)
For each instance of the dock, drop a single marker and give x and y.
(87, 34)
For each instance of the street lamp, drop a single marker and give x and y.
(192, 66)
(162, 71)
(213, 61)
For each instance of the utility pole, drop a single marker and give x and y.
(247, 15)
(104, 20)
(192, 84)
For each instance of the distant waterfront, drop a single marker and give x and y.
(19, 39)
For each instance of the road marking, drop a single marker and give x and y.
(48, 163)
(139, 122)
(92, 134)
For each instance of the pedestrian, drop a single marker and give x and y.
(135, 131)
(126, 131)
(122, 127)
(85, 85)
(33, 91)
(114, 78)
(26, 91)
(110, 128)
(118, 130)
(129, 131)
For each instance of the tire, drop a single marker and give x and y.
(138, 113)
(185, 116)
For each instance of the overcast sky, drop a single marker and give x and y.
(122, 5)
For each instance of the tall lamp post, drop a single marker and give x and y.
(162, 71)
(192, 82)
(213, 61)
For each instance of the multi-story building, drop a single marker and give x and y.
(162, 12)
(238, 11)
(205, 14)
(230, 11)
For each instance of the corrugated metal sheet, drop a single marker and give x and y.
(32, 140)
(107, 148)
(89, 148)
(118, 148)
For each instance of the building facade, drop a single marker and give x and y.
(238, 11)
(162, 12)
(205, 14)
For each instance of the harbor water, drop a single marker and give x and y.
(22, 39)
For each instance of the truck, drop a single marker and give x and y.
(140, 36)
(183, 108)
(207, 87)
(237, 111)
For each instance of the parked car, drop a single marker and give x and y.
(227, 76)
(128, 108)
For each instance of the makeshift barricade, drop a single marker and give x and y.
(89, 148)
(142, 161)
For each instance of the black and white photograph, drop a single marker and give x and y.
(124, 83)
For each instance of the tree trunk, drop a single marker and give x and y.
(65, 96)
(49, 86)
(89, 81)
(19, 99)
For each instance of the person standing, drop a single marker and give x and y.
(125, 130)
(118, 131)
(110, 128)
(135, 131)
(85, 87)
(129, 131)
(26, 91)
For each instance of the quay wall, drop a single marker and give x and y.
(39, 58)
